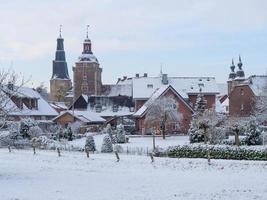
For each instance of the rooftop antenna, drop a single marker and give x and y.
(161, 66)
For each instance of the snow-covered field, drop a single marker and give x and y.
(24, 176)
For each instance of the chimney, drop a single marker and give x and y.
(124, 78)
(119, 79)
(145, 74)
(137, 75)
(165, 79)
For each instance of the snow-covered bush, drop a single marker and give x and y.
(35, 131)
(90, 143)
(253, 133)
(121, 138)
(25, 125)
(216, 135)
(106, 145)
(108, 130)
(13, 137)
(216, 152)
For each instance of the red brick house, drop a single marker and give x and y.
(183, 107)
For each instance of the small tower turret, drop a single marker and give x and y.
(240, 74)
(232, 74)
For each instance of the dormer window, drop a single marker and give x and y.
(98, 108)
(150, 86)
(201, 85)
(115, 108)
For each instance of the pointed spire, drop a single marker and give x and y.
(240, 72)
(240, 64)
(232, 74)
(60, 68)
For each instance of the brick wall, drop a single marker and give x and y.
(241, 101)
(87, 79)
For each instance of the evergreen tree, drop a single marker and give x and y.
(106, 145)
(121, 138)
(108, 130)
(195, 134)
(69, 133)
(253, 133)
(90, 143)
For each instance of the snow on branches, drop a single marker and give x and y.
(163, 111)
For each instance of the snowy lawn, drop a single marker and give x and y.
(137, 143)
(24, 176)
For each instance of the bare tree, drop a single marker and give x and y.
(161, 112)
(10, 83)
(42, 90)
(237, 126)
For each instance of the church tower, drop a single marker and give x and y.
(86, 72)
(60, 81)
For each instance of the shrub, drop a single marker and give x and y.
(90, 143)
(253, 134)
(106, 145)
(217, 152)
(121, 138)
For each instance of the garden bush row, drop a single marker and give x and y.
(217, 152)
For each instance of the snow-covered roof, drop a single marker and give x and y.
(85, 116)
(159, 92)
(108, 112)
(144, 87)
(258, 84)
(88, 57)
(43, 108)
(58, 105)
(120, 90)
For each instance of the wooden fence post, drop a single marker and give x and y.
(58, 152)
(151, 157)
(117, 156)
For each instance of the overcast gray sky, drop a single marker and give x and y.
(189, 37)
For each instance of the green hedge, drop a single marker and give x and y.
(217, 152)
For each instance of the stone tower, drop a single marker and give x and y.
(86, 72)
(60, 81)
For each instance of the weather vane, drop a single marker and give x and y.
(87, 28)
(60, 30)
